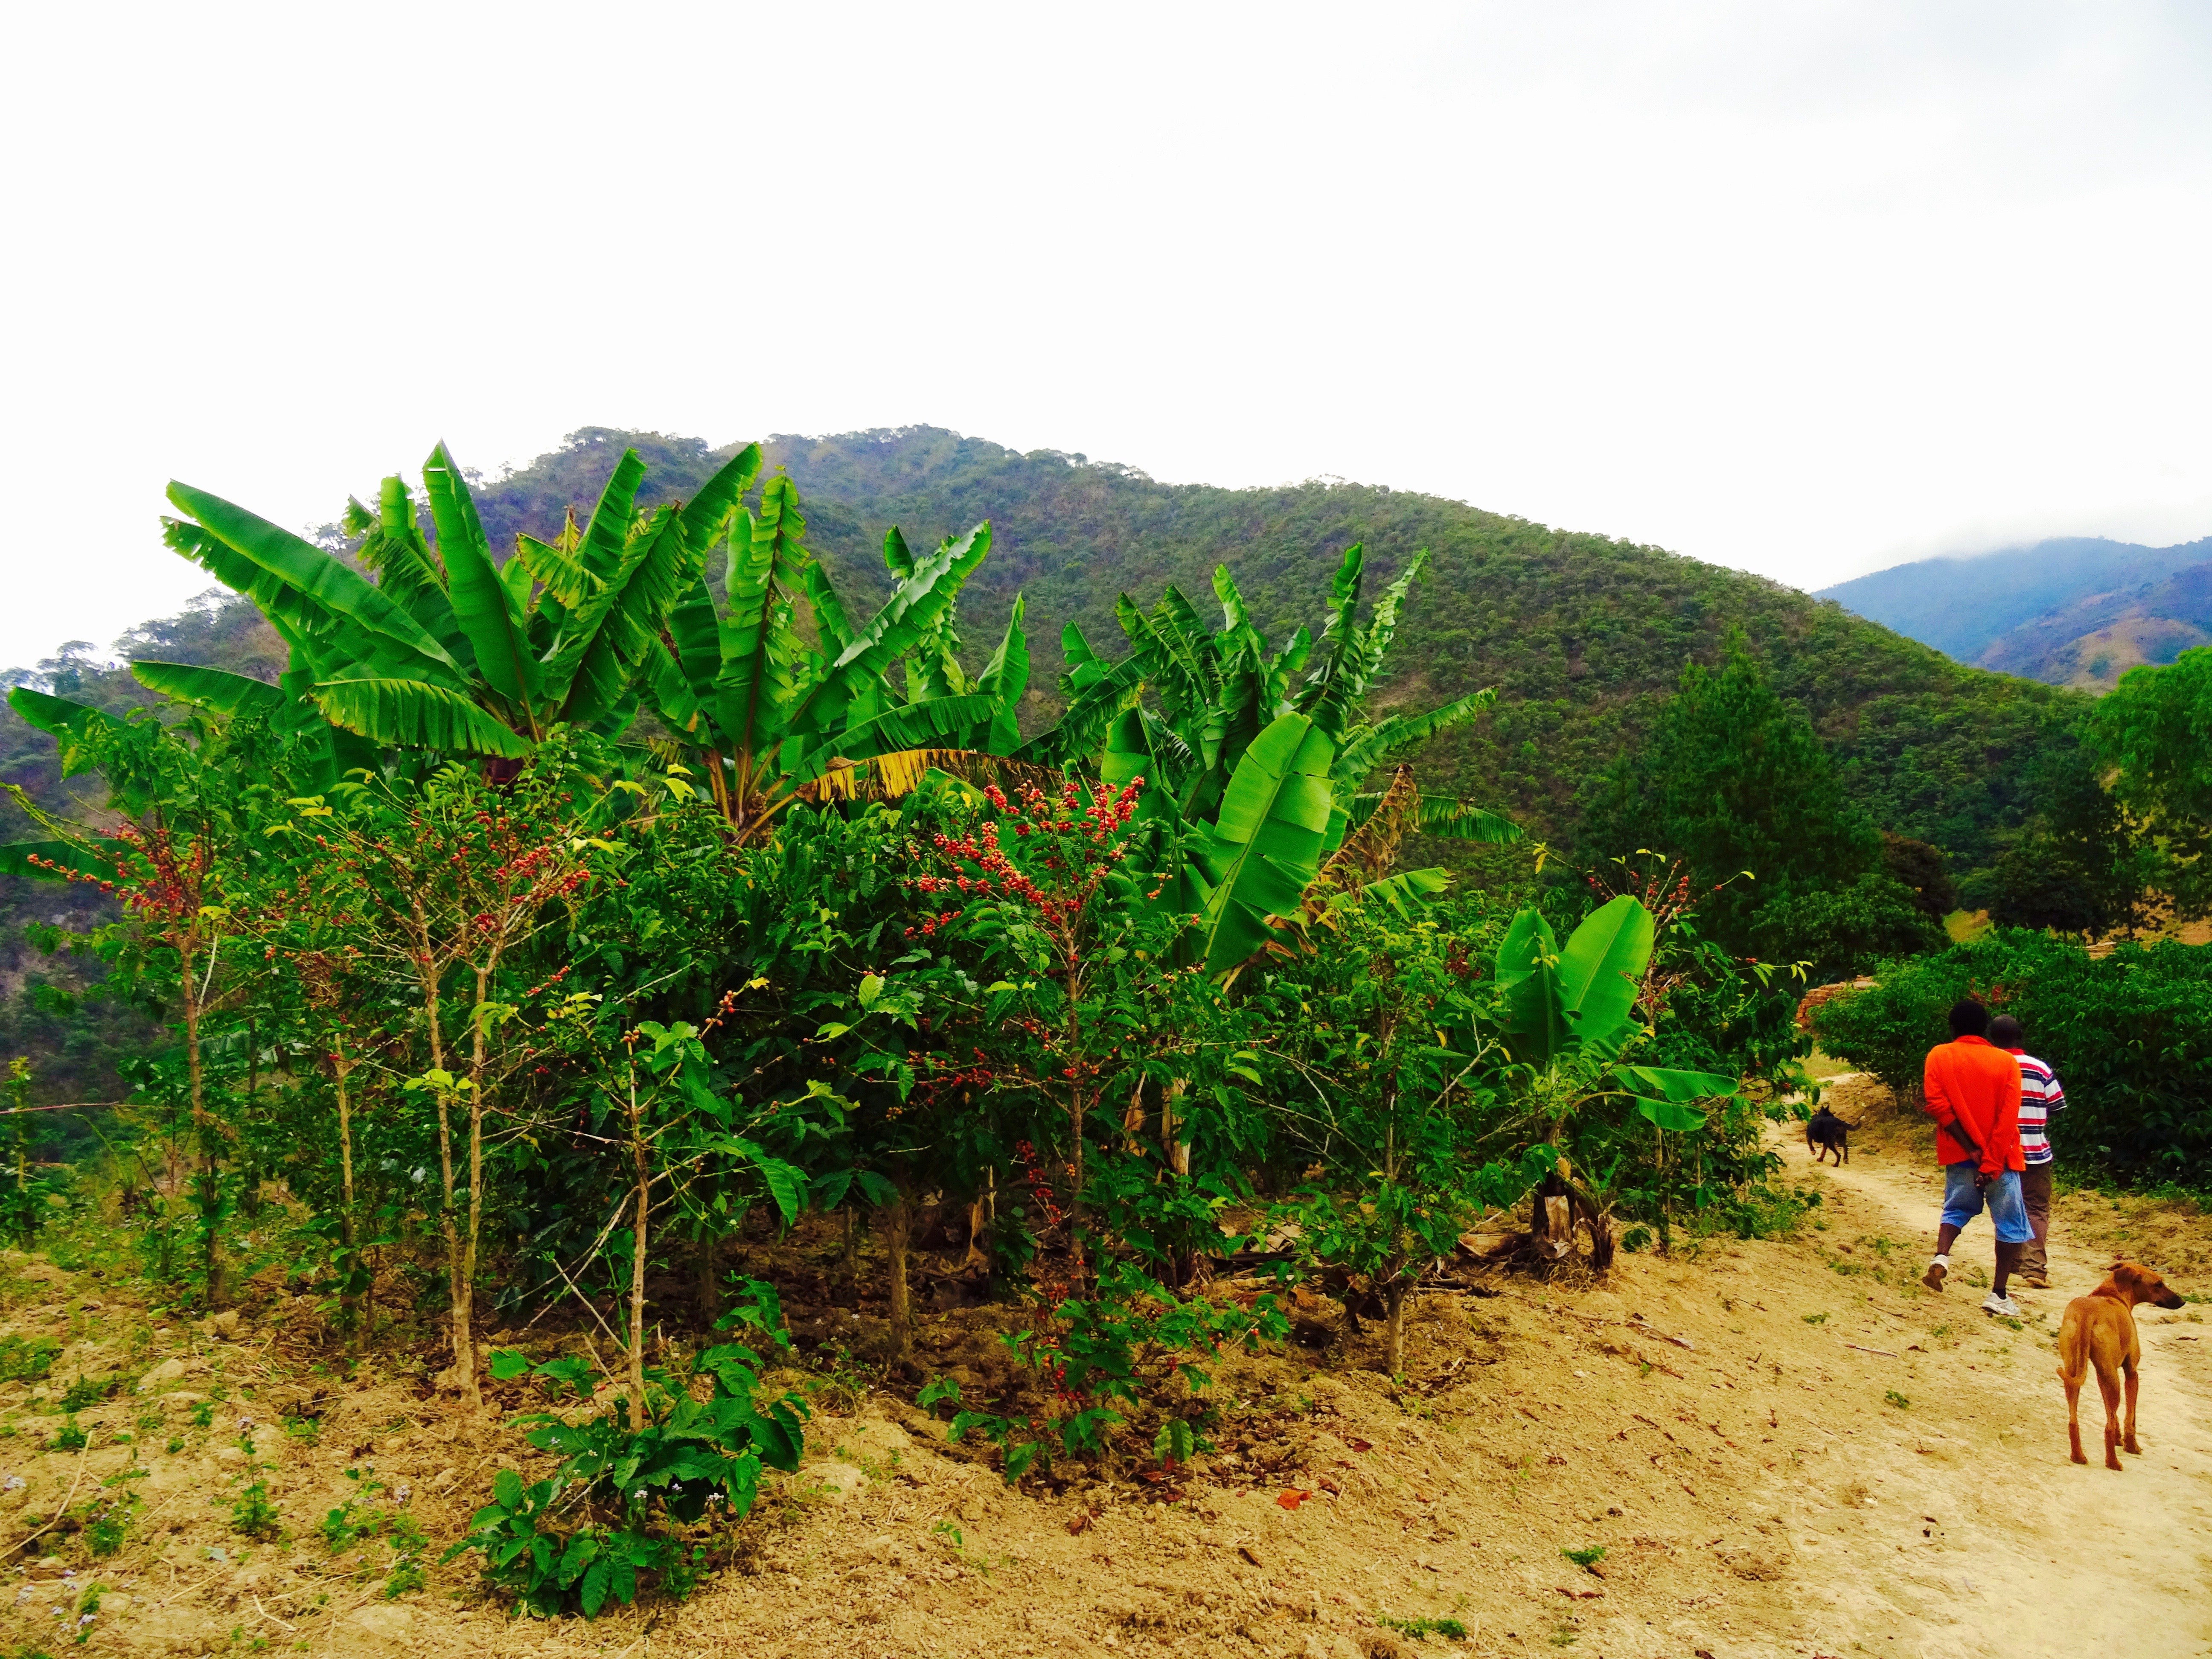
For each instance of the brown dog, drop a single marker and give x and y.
(2100, 1330)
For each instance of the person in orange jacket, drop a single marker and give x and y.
(1972, 1089)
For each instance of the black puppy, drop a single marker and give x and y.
(1830, 1135)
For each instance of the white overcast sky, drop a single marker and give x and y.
(1807, 288)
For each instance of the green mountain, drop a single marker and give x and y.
(1585, 636)
(2090, 642)
(2053, 611)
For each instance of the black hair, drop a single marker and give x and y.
(1969, 1019)
(2005, 1031)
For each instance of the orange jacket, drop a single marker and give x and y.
(1973, 1091)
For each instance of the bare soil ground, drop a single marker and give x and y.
(1783, 1448)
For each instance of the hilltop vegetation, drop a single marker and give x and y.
(1585, 636)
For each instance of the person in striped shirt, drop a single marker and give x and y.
(2039, 1096)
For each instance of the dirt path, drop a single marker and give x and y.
(2039, 1556)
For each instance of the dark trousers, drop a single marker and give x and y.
(2035, 1190)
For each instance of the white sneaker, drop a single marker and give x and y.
(1994, 1303)
(1934, 1278)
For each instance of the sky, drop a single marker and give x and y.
(1803, 288)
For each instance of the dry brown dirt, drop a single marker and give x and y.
(1783, 1448)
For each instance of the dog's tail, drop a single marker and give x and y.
(2073, 1350)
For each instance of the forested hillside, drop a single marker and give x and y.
(1583, 636)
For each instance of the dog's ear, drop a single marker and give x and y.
(2129, 1278)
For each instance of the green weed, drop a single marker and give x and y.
(1416, 1628)
(254, 1514)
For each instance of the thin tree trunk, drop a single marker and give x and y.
(352, 1299)
(464, 1347)
(642, 1169)
(1173, 1128)
(460, 1312)
(898, 1238)
(203, 1126)
(1393, 1302)
(1078, 1111)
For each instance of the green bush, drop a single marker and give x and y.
(1846, 931)
(22, 1361)
(2130, 1034)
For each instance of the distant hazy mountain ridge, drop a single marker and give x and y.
(2078, 610)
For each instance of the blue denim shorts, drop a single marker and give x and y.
(1963, 1201)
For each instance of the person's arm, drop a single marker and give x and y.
(1939, 1105)
(2004, 1132)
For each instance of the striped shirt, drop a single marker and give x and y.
(2039, 1096)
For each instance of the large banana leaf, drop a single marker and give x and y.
(609, 636)
(416, 714)
(1096, 691)
(1442, 815)
(1600, 970)
(330, 583)
(17, 859)
(698, 638)
(1668, 1083)
(392, 546)
(832, 625)
(907, 616)
(1265, 845)
(1335, 685)
(213, 687)
(1004, 679)
(497, 633)
(1536, 1028)
(607, 537)
(1668, 1094)
(1375, 745)
(74, 726)
(305, 623)
(754, 683)
(909, 726)
(707, 514)
(1406, 893)
(558, 570)
(1462, 820)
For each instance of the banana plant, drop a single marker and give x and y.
(445, 650)
(1254, 781)
(1573, 1008)
(777, 718)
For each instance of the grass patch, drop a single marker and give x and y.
(1416, 1628)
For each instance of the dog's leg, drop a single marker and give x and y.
(2109, 1386)
(2128, 1440)
(2074, 1414)
(1844, 1152)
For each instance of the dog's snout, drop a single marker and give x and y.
(2174, 1299)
